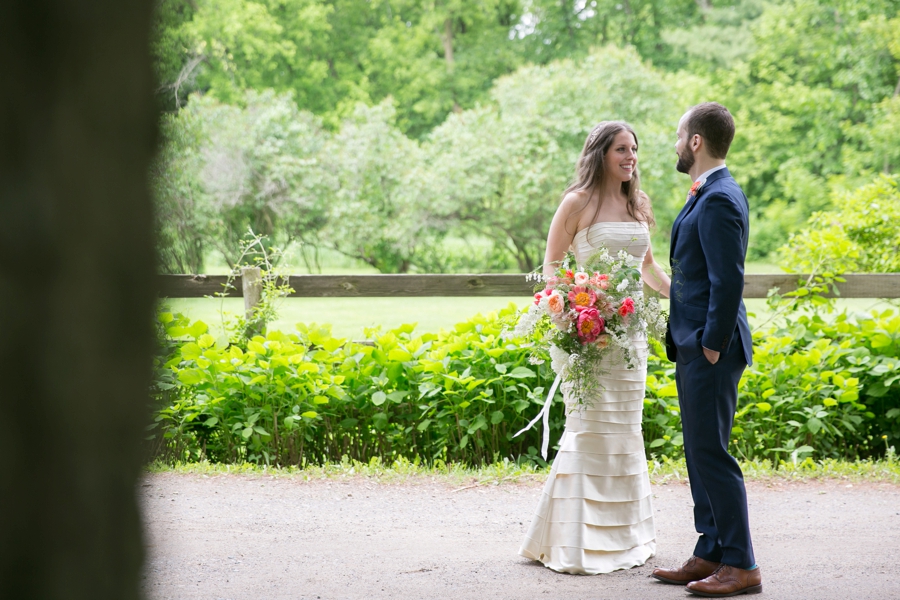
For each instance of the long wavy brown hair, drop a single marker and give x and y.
(590, 172)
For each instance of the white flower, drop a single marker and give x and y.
(559, 359)
(603, 255)
(542, 303)
(526, 323)
(623, 285)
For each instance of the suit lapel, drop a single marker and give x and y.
(684, 212)
(690, 204)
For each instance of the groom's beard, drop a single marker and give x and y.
(685, 161)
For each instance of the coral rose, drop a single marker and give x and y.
(590, 325)
(556, 304)
(601, 280)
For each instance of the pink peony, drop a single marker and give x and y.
(601, 280)
(590, 325)
(581, 278)
(626, 308)
(556, 304)
(582, 297)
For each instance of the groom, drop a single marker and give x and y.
(709, 341)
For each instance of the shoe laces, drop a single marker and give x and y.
(724, 569)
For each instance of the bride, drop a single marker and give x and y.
(595, 513)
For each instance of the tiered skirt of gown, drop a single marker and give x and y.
(595, 513)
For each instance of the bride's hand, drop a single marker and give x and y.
(654, 276)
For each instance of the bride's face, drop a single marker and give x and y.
(621, 158)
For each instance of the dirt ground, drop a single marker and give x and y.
(257, 537)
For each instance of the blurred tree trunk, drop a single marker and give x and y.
(77, 131)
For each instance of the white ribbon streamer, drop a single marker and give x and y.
(545, 412)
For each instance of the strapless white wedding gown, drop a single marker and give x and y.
(595, 514)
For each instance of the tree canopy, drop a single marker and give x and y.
(383, 128)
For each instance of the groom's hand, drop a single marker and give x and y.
(711, 355)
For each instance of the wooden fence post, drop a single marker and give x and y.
(251, 282)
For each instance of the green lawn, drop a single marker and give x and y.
(506, 472)
(348, 316)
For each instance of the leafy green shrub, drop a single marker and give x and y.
(862, 235)
(308, 397)
(826, 389)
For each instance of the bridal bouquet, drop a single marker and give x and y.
(584, 313)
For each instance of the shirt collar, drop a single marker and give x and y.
(706, 175)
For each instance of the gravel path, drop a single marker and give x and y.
(257, 537)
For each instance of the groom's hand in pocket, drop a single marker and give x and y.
(711, 355)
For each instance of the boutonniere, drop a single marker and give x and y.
(695, 189)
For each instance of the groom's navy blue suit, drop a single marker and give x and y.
(709, 243)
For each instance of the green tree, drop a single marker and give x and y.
(432, 58)
(499, 170)
(726, 35)
(862, 235)
(224, 170)
(174, 175)
(553, 29)
(261, 171)
(818, 70)
(376, 213)
(438, 57)
(175, 59)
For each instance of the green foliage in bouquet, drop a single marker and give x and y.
(584, 315)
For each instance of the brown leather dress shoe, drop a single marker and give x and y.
(694, 569)
(727, 581)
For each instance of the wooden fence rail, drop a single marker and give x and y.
(880, 285)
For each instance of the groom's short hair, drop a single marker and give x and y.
(713, 123)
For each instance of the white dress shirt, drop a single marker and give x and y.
(706, 175)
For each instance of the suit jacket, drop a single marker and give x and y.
(708, 247)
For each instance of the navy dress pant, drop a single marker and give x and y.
(707, 395)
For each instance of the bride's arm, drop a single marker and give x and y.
(560, 237)
(654, 276)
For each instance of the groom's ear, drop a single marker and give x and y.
(696, 142)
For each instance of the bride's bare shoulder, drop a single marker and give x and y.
(573, 205)
(575, 200)
(572, 209)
